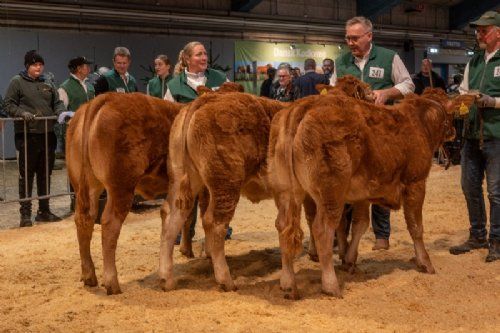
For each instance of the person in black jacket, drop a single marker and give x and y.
(307, 82)
(422, 79)
(285, 90)
(265, 88)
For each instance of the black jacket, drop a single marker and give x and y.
(265, 88)
(307, 83)
(421, 82)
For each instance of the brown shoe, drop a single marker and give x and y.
(493, 251)
(469, 245)
(381, 244)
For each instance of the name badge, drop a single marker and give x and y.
(120, 90)
(496, 72)
(376, 73)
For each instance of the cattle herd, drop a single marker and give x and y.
(320, 152)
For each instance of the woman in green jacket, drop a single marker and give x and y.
(157, 86)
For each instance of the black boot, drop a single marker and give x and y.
(46, 216)
(470, 244)
(494, 251)
(25, 221)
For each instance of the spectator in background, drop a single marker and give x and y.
(285, 91)
(453, 88)
(74, 92)
(295, 73)
(307, 82)
(157, 86)
(118, 79)
(265, 88)
(29, 96)
(423, 79)
(328, 66)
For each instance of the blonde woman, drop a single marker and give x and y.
(192, 71)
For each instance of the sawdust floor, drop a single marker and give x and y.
(40, 289)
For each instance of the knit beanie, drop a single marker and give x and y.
(32, 57)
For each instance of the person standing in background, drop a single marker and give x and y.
(118, 79)
(158, 85)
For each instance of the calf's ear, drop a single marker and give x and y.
(203, 90)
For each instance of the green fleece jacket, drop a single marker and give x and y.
(36, 96)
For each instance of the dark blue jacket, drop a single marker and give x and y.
(307, 83)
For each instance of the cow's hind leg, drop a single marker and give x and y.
(290, 238)
(117, 207)
(219, 213)
(310, 212)
(360, 223)
(413, 201)
(85, 215)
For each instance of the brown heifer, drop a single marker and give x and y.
(349, 151)
(118, 142)
(220, 144)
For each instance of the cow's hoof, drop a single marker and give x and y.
(349, 267)
(426, 268)
(167, 284)
(90, 281)
(113, 290)
(188, 253)
(314, 257)
(228, 287)
(291, 294)
(333, 292)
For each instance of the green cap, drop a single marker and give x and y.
(489, 18)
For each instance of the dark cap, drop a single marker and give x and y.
(32, 57)
(489, 18)
(78, 61)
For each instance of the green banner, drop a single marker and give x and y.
(252, 59)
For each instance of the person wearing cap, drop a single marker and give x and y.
(29, 96)
(74, 92)
(481, 150)
(118, 79)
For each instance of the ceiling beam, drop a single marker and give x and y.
(373, 8)
(244, 5)
(468, 10)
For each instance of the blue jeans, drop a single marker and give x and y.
(381, 222)
(475, 164)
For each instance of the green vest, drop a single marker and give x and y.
(377, 71)
(76, 93)
(158, 87)
(115, 82)
(484, 77)
(183, 93)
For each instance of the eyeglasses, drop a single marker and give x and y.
(355, 38)
(286, 75)
(484, 30)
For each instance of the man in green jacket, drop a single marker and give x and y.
(118, 79)
(384, 71)
(29, 96)
(481, 151)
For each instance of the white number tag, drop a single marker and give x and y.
(376, 72)
(120, 90)
(496, 72)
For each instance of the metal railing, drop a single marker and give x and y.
(5, 200)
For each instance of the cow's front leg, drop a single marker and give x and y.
(413, 197)
(360, 223)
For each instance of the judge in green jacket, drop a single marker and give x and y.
(157, 86)
(191, 71)
(118, 79)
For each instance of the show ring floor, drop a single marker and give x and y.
(40, 289)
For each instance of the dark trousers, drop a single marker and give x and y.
(476, 165)
(381, 222)
(38, 157)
